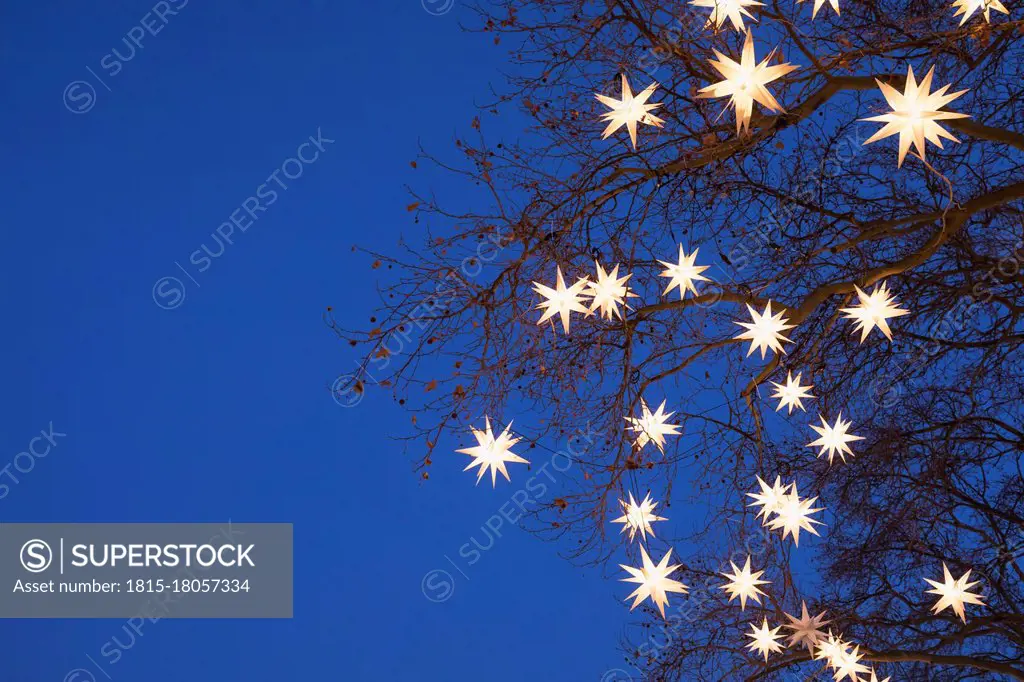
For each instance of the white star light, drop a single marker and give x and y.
(765, 639)
(638, 517)
(654, 581)
(874, 677)
(834, 439)
(806, 629)
(629, 110)
(794, 515)
(733, 10)
(818, 4)
(954, 593)
(830, 648)
(792, 393)
(492, 453)
(846, 664)
(745, 82)
(652, 426)
(765, 332)
(744, 584)
(915, 114)
(969, 7)
(770, 499)
(562, 301)
(873, 310)
(609, 292)
(684, 273)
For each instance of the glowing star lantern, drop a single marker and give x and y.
(609, 292)
(638, 517)
(969, 7)
(562, 300)
(818, 4)
(874, 677)
(794, 515)
(915, 114)
(954, 593)
(744, 584)
(653, 580)
(770, 499)
(765, 332)
(492, 453)
(834, 439)
(745, 83)
(873, 311)
(792, 393)
(830, 648)
(846, 664)
(806, 629)
(765, 639)
(652, 426)
(629, 110)
(733, 10)
(684, 273)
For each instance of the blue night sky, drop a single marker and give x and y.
(219, 408)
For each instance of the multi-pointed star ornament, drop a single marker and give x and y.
(765, 332)
(830, 648)
(653, 580)
(969, 7)
(562, 300)
(846, 664)
(792, 393)
(630, 110)
(733, 10)
(806, 629)
(954, 593)
(652, 427)
(818, 4)
(794, 515)
(834, 439)
(770, 499)
(638, 517)
(684, 273)
(492, 453)
(765, 639)
(744, 584)
(915, 114)
(874, 310)
(608, 292)
(744, 82)
(874, 678)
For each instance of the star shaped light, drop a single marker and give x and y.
(653, 580)
(629, 110)
(818, 4)
(609, 292)
(765, 332)
(874, 677)
(744, 584)
(638, 517)
(562, 300)
(915, 114)
(652, 426)
(733, 10)
(684, 273)
(954, 593)
(792, 393)
(745, 82)
(793, 515)
(969, 7)
(830, 648)
(492, 453)
(770, 499)
(834, 439)
(873, 310)
(765, 639)
(846, 664)
(806, 629)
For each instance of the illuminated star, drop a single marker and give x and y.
(834, 439)
(492, 453)
(846, 664)
(745, 82)
(873, 310)
(874, 677)
(652, 426)
(765, 639)
(744, 584)
(969, 7)
(629, 110)
(684, 273)
(792, 394)
(915, 114)
(806, 629)
(765, 332)
(830, 648)
(638, 517)
(954, 593)
(609, 292)
(818, 4)
(653, 580)
(793, 515)
(733, 10)
(770, 499)
(562, 300)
